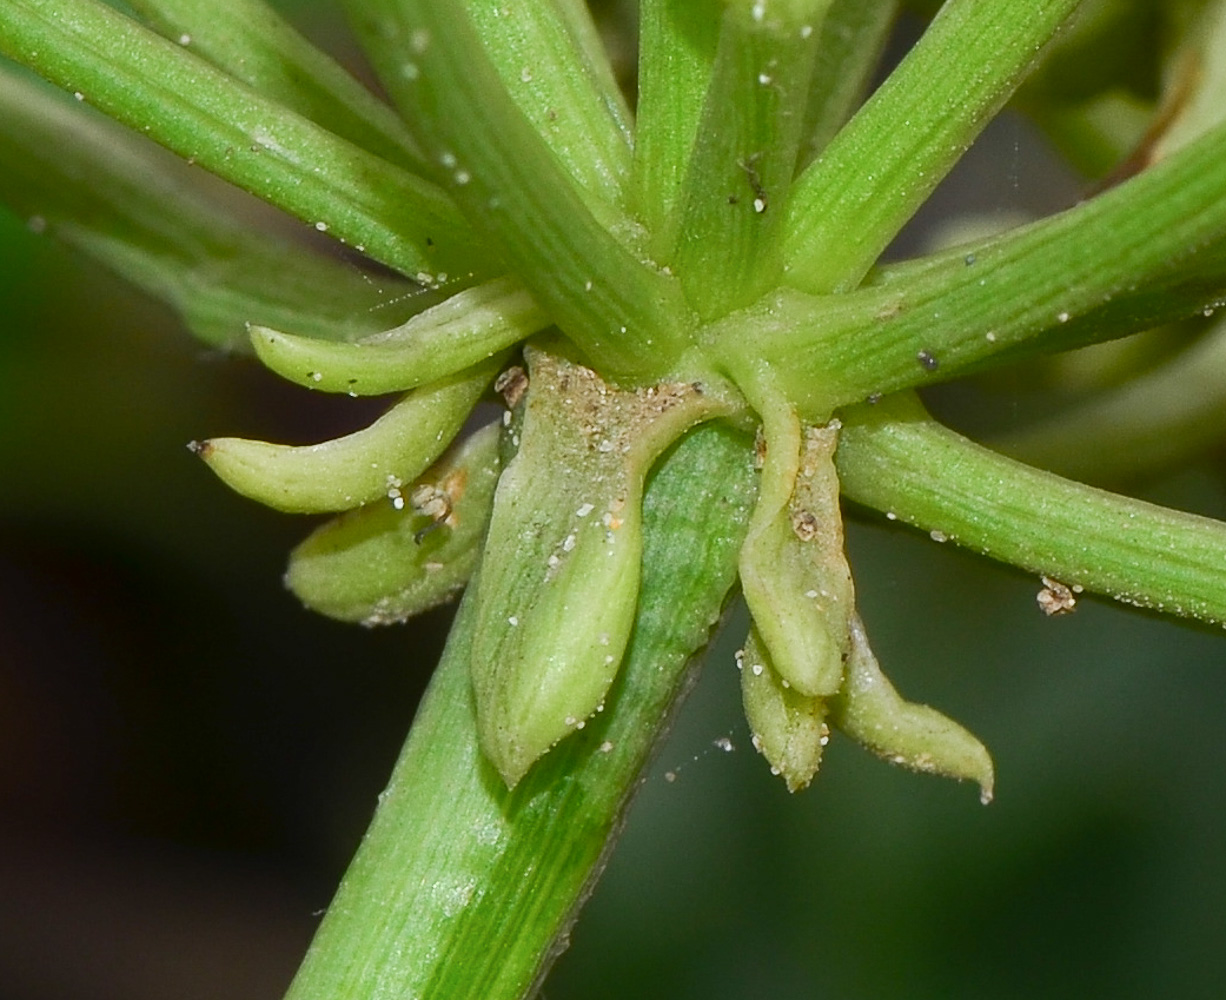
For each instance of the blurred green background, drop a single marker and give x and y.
(187, 758)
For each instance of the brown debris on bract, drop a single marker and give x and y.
(511, 385)
(805, 525)
(1057, 598)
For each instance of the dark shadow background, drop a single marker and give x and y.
(187, 758)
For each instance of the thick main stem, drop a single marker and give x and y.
(462, 888)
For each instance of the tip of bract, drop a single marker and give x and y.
(510, 758)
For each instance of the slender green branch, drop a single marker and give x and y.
(182, 102)
(855, 198)
(253, 43)
(577, 16)
(1043, 287)
(727, 242)
(544, 52)
(677, 41)
(461, 888)
(141, 212)
(627, 316)
(894, 458)
(854, 34)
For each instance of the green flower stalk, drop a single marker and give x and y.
(651, 282)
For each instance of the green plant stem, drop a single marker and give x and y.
(896, 459)
(183, 103)
(857, 195)
(462, 889)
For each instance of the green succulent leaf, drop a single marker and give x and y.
(382, 564)
(1041, 287)
(789, 728)
(549, 58)
(854, 34)
(793, 568)
(361, 467)
(580, 258)
(712, 264)
(461, 331)
(677, 43)
(560, 576)
(869, 710)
